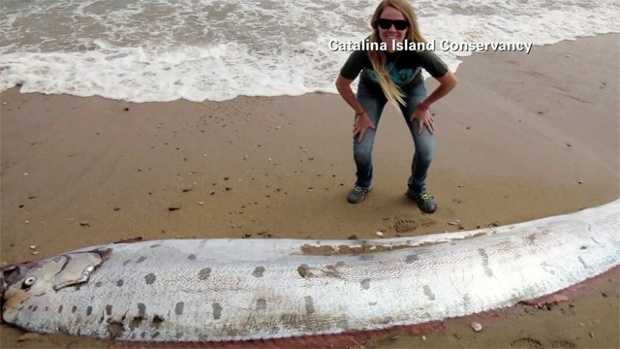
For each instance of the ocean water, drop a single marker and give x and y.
(162, 50)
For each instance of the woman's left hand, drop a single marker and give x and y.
(424, 118)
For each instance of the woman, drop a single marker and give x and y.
(394, 75)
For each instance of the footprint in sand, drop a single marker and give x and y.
(526, 342)
(563, 344)
(403, 225)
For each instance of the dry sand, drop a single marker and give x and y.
(522, 137)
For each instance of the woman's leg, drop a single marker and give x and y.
(362, 150)
(424, 142)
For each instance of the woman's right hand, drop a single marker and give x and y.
(361, 125)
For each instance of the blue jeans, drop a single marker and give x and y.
(373, 102)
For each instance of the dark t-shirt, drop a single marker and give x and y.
(404, 67)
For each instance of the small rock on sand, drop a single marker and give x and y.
(476, 326)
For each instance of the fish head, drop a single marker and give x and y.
(32, 284)
(21, 281)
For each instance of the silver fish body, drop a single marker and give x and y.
(238, 289)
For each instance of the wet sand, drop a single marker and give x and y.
(522, 137)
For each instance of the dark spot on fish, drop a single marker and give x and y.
(178, 308)
(108, 310)
(60, 309)
(98, 284)
(141, 259)
(258, 272)
(340, 264)
(63, 329)
(203, 337)
(89, 310)
(429, 293)
(141, 310)
(261, 304)
(366, 257)
(155, 335)
(47, 308)
(217, 311)
(485, 262)
(309, 305)
(204, 273)
(35, 308)
(365, 284)
(115, 329)
(135, 322)
(411, 258)
(155, 246)
(157, 320)
(101, 319)
(304, 271)
(126, 262)
(150, 278)
(143, 335)
(179, 335)
(73, 309)
(191, 257)
(119, 283)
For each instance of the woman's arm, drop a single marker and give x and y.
(421, 113)
(343, 85)
(362, 121)
(446, 84)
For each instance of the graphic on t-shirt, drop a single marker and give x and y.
(399, 76)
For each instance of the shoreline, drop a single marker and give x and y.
(512, 146)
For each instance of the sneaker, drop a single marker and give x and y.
(426, 201)
(357, 194)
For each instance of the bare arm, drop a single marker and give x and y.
(343, 85)
(446, 84)
(362, 121)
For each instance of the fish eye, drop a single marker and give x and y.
(29, 281)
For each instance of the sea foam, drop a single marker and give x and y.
(217, 50)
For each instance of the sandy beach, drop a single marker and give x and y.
(521, 137)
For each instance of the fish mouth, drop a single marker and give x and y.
(3, 287)
(9, 274)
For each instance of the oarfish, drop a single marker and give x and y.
(242, 289)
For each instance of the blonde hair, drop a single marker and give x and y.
(378, 57)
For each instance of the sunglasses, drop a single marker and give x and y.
(387, 24)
